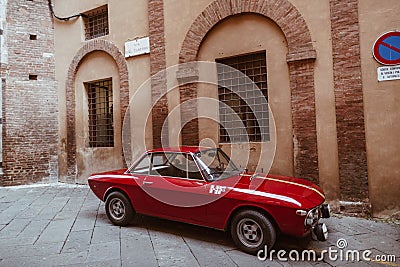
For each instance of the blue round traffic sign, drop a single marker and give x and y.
(386, 49)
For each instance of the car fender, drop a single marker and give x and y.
(113, 189)
(250, 206)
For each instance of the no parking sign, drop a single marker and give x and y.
(386, 49)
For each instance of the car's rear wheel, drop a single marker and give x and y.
(119, 209)
(252, 231)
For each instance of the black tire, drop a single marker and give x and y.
(119, 209)
(252, 231)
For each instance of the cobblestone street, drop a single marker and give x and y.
(66, 225)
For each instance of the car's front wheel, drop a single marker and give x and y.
(251, 231)
(119, 209)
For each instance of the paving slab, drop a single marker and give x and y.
(77, 258)
(137, 247)
(102, 234)
(105, 251)
(84, 219)
(56, 231)
(208, 253)
(33, 230)
(66, 225)
(241, 259)
(26, 261)
(11, 212)
(52, 209)
(16, 251)
(108, 263)
(77, 241)
(101, 218)
(171, 250)
(4, 205)
(15, 227)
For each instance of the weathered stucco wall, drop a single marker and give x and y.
(127, 21)
(225, 40)
(89, 159)
(381, 109)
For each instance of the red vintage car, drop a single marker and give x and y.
(203, 186)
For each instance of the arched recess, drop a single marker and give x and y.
(300, 58)
(90, 47)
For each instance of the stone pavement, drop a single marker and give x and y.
(66, 225)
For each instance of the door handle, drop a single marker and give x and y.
(147, 183)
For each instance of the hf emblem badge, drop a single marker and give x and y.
(217, 189)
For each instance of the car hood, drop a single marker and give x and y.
(281, 190)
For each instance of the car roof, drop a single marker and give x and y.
(184, 149)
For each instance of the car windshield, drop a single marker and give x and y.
(215, 164)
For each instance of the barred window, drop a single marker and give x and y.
(100, 99)
(96, 23)
(238, 92)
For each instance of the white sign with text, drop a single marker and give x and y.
(389, 73)
(137, 47)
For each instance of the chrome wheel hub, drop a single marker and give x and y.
(117, 209)
(249, 232)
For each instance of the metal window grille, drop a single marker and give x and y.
(238, 92)
(100, 99)
(96, 23)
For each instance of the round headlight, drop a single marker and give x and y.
(312, 217)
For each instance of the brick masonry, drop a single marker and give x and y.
(301, 57)
(189, 131)
(349, 100)
(157, 64)
(90, 47)
(30, 119)
(304, 130)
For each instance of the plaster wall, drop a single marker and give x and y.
(127, 21)
(381, 109)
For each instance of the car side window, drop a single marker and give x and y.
(158, 163)
(143, 166)
(169, 165)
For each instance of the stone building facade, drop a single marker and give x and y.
(335, 123)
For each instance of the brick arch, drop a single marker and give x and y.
(90, 47)
(282, 12)
(300, 58)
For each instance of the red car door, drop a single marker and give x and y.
(176, 188)
(138, 174)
